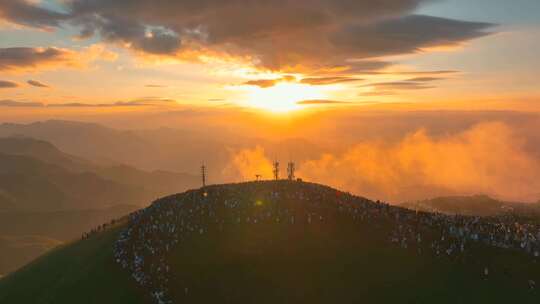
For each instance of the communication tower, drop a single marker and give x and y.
(276, 170)
(291, 168)
(203, 173)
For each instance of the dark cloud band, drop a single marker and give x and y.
(24, 13)
(4, 84)
(26, 57)
(37, 84)
(290, 36)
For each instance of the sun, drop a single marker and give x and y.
(282, 97)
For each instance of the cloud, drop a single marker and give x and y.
(400, 85)
(247, 163)
(30, 58)
(377, 93)
(262, 83)
(425, 79)
(131, 33)
(321, 102)
(25, 57)
(348, 68)
(155, 86)
(413, 73)
(308, 36)
(28, 14)
(486, 158)
(145, 101)
(267, 83)
(315, 81)
(12, 103)
(4, 84)
(38, 84)
(440, 72)
(407, 34)
(391, 88)
(329, 80)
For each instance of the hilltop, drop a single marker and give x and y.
(286, 242)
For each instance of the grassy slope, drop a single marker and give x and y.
(247, 266)
(16, 251)
(82, 272)
(27, 235)
(338, 261)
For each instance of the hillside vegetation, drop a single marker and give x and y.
(80, 272)
(278, 242)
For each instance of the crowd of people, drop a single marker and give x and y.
(152, 233)
(99, 228)
(456, 232)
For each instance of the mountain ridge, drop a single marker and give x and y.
(480, 205)
(51, 194)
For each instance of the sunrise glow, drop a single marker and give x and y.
(283, 97)
(269, 151)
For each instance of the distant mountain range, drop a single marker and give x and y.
(480, 205)
(168, 149)
(46, 194)
(174, 150)
(36, 176)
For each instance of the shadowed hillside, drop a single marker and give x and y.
(29, 184)
(43, 151)
(27, 235)
(19, 250)
(82, 272)
(48, 194)
(292, 242)
(27, 162)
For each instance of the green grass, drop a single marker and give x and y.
(343, 263)
(82, 272)
(20, 250)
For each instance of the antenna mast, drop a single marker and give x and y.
(276, 170)
(203, 173)
(290, 170)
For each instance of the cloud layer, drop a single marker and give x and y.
(487, 158)
(5, 84)
(37, 84)
(28, 14)
(145, 101)
(294, 36)
(16, 59)
(24, 57)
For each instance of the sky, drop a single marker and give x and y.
(391, 99)
(275, 56)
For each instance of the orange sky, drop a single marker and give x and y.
(413, 52)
